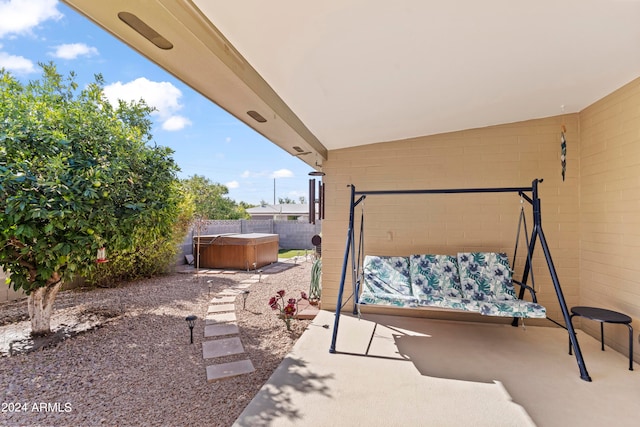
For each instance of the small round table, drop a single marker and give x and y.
(603, 316)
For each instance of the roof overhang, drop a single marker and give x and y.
(341, 73)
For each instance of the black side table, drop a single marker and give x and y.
(603, 316)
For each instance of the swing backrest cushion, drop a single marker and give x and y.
(434, 275)
(485, 276)
(387, 275)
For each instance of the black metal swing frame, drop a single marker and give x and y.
(537, 233)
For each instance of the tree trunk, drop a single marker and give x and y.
(40, 305)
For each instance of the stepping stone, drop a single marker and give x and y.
(243, 285)
(256, 277)
(250, 281)
(221, 308)
(228, 292)
(227, 370)
(222, 300)
(222, 347)
(229, 272)
(213, 319)
(221, 330)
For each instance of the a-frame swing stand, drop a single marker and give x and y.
(537, 234)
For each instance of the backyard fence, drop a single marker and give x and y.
(292, 234)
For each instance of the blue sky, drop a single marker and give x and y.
(206, 140)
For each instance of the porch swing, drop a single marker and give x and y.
(478, 282)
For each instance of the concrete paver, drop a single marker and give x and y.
(227, 370)
(222, 347)
(230, 292)
(221, 330)
(221, 308)
(216, 318)
(222, 299)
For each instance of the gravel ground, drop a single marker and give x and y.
(137, 367)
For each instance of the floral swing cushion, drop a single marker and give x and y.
(387, 281)
(435, 282)
(434, 275)
(485, 277)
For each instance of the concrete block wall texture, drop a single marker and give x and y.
(257, 226)
(610, 209)
(591, 220)
(296, 235)
(6, 292)
(292, 234)
(500, 156)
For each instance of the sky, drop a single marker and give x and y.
(206, 140)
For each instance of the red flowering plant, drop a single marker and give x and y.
(287, 310)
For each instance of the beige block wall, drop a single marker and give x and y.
(610, 210)
(6, 292)
(500, 156)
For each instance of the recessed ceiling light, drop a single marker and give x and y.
(144, 30)
(256, 116)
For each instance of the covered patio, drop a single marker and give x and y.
(393, 370)
(431, 95)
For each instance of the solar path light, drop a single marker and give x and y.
(191, 321)
(245, 294)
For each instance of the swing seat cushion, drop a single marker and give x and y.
(486, 276)
(387, 281)
(515, 308)
(434, 276)
(478, 282)
(453, 303)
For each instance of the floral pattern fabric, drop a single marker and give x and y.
(515, 308)
(449, 302)
(484, 284)
(434, 275)
(387, 282)
(486, 276)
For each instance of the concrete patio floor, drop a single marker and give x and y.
(444, 373)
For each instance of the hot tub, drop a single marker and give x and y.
(237, 251)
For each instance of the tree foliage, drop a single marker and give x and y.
(286, 201)
(77, 174)
(211, 201)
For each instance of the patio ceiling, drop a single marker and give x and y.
(342, 73)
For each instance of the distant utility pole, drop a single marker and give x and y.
(274, 191)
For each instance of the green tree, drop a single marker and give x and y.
(286, 201)
(245, 205)
(211, 201)
(76, 175)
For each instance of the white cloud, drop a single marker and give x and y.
(232, 184)
(174, 123)
(21, 16)
(163, 96)
(73, 50)
(16, 64)
(282, 173)
(227, 139)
